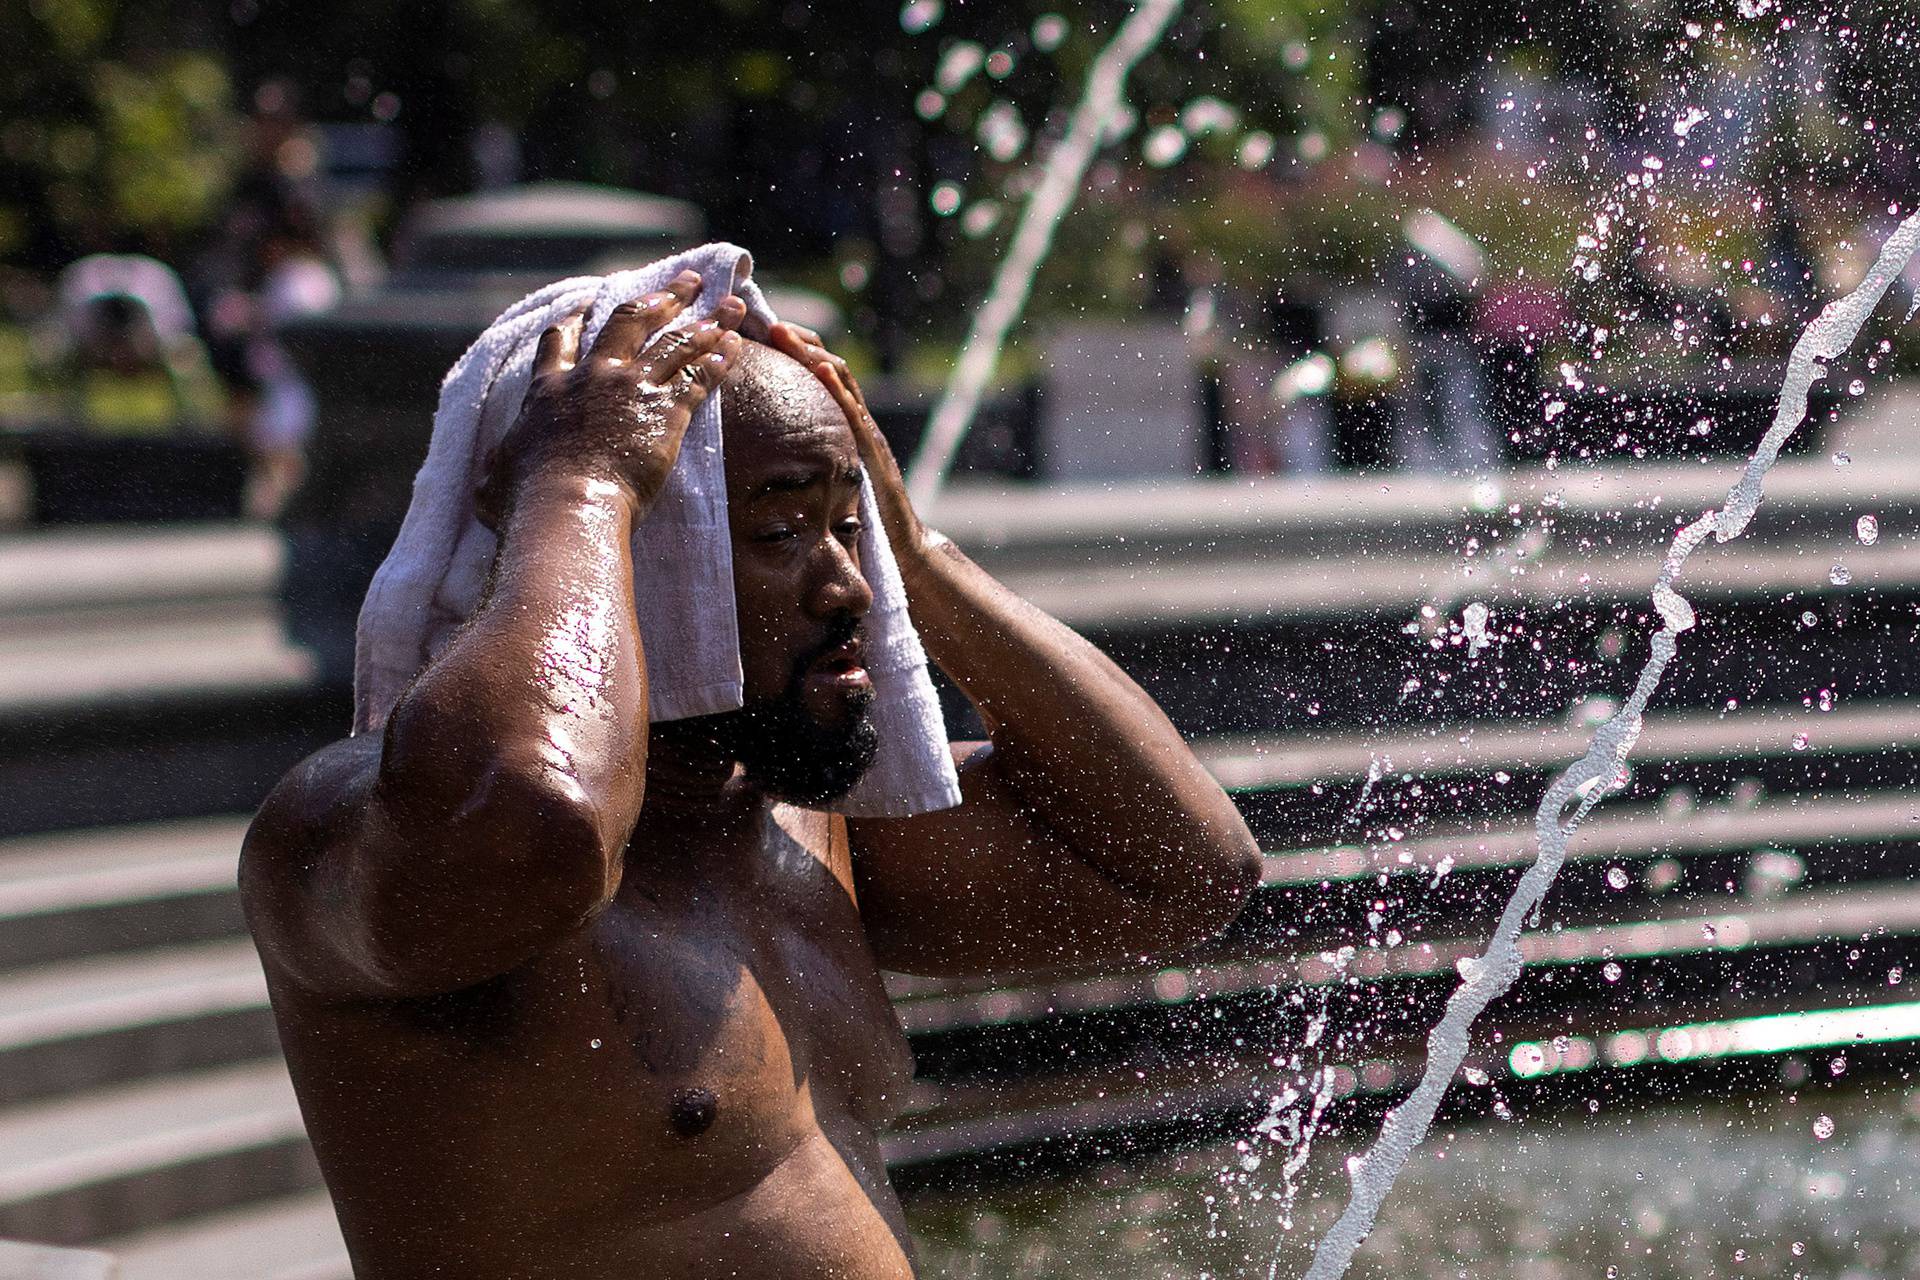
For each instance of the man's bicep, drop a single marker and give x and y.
(983, 889)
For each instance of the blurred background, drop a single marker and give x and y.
(1353, 406)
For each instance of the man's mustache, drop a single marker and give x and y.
(841, 629)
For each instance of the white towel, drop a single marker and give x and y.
(433, 578)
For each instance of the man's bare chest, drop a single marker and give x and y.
(757, 990)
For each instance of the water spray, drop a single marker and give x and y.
(1599, 771)
(1060, 181)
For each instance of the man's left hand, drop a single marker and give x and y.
(905, 534)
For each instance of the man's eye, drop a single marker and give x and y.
(851, 528)
(780, 534)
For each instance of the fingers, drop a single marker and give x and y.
(697, 378)
(806, 346)
(632, 323)
(559, 348)
(846, 393)
(679, 349)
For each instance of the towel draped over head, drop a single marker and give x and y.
(433, 578)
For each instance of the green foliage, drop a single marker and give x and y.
(106, 143)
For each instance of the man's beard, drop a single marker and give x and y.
(788, 753)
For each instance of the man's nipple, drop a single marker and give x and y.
(692, 1112)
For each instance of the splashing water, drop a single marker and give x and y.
(1586, 781)
(1059, 184)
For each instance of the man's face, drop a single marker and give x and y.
(793, 501)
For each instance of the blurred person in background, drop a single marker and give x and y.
(296, 280)
(124, 359)
(269, 265)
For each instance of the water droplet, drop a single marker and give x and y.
(1823, 1128)
(1838, 1067)
(1708, 932)
(594, 1043)
(1163, 146)
(1617, 877)
(1867, 529)
(1894, 975)
(917, 16)
(1807, 618)
(1610, 971)
(1800, 741)
(1799, 1247)
(1839, 575)
(1842, 460)
(945, 198)
(1856, 388)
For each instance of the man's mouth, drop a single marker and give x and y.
(842, 666)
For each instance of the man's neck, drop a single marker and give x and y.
(687, 770)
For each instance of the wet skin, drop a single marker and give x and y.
(566, 994)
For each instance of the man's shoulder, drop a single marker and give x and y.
(312, 800)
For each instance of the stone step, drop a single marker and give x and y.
(294, 1238)
(115, 1161)
(43, 1262)
(1262, 762)
(73, 570)
(1638, 836)
(146, 655)
(1320, 899)
(205, 749)
(1237, 589)
(1015, 524)
(104, 1020)
(75, 894)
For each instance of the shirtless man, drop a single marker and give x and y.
(570, 996)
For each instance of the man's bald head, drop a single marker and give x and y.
(769, 394)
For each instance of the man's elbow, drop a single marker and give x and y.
(1232, 870)
(522, 864)
(1223, 871)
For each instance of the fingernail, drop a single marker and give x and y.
(688, 274)
(654, 299)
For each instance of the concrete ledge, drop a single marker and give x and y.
(43, 1262)
(292, 1239)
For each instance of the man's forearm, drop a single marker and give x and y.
(1092, 756)
(548, 677)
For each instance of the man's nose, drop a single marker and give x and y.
(839, 586)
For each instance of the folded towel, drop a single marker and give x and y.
(433, 578)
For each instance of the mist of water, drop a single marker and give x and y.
(1590, 778)
(1060, 180)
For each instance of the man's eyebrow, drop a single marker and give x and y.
(794, 481)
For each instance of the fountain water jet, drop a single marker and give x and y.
(1060, 181)
(1587, 780)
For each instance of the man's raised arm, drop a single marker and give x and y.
(1090, 833)
(492, 815)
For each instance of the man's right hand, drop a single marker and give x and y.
(617, 415)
